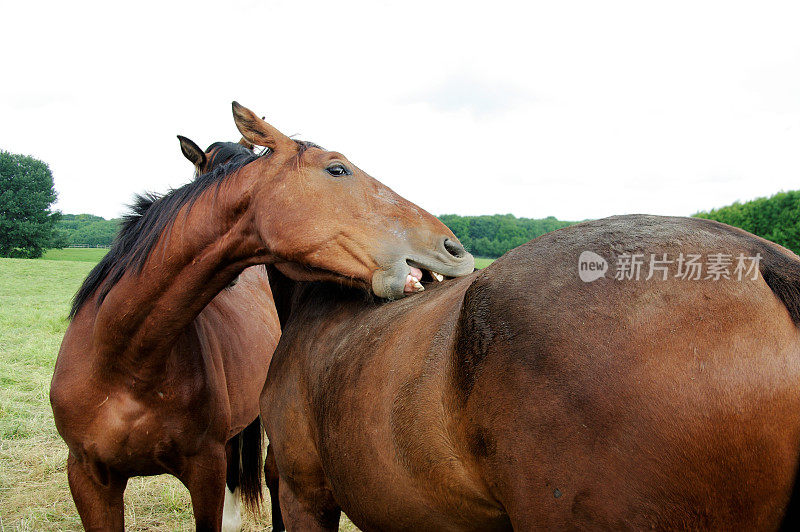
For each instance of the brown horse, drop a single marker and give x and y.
(522, 397)
(249, 308)
(145, 383)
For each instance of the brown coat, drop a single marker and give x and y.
(522, 397)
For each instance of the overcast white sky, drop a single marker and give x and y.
(571, 109)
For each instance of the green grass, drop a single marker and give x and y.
(482, 262)
(34, 495)
(76, 254)
(34, 300)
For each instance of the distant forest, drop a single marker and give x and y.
(80, 230)
(483, 236)
(776, 218)
(493, 235)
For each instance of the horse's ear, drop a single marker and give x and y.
(258, 132)
(246, 143)
(192, 152)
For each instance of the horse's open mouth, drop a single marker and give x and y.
(419, 276)
(408, 274)
(415, 280)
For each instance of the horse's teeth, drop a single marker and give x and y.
(419, 286)
(438, 276)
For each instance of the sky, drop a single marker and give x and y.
(569, 109)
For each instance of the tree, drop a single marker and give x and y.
(776, 218)
(26, 194)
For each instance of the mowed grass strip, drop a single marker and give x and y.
(92, 255)
(482, 262)
(34, 495)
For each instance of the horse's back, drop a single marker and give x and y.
(661, 402)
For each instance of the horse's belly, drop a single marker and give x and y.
(383, 497)
(392, 467)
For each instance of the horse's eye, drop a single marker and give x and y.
(337, 170)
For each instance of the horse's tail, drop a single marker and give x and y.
(252, 443)
(249, 447)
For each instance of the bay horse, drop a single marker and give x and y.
(144, 384)
(521, 397)
(219, 328)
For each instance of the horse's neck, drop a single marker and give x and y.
(284, 291)
(205, 249)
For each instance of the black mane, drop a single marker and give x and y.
(225, 152)
(152, 214)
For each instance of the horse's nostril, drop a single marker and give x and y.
(454, 248)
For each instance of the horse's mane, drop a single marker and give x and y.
(152, 214)
(224, 152)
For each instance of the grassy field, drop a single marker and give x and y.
(76, 254)
(481, 262)
(34, 495)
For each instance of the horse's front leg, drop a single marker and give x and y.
(98, 495)
(204, 477)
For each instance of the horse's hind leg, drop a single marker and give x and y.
(100, 505)
(232, 508)
(313, 510)
(205, 479)
(271, 476)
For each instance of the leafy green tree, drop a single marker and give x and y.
(776, 218)
(26, 194)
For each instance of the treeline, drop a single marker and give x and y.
(493, 235)
(86, 230)
(483, 236)
(776, 218)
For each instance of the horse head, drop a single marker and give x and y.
(338, 223)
